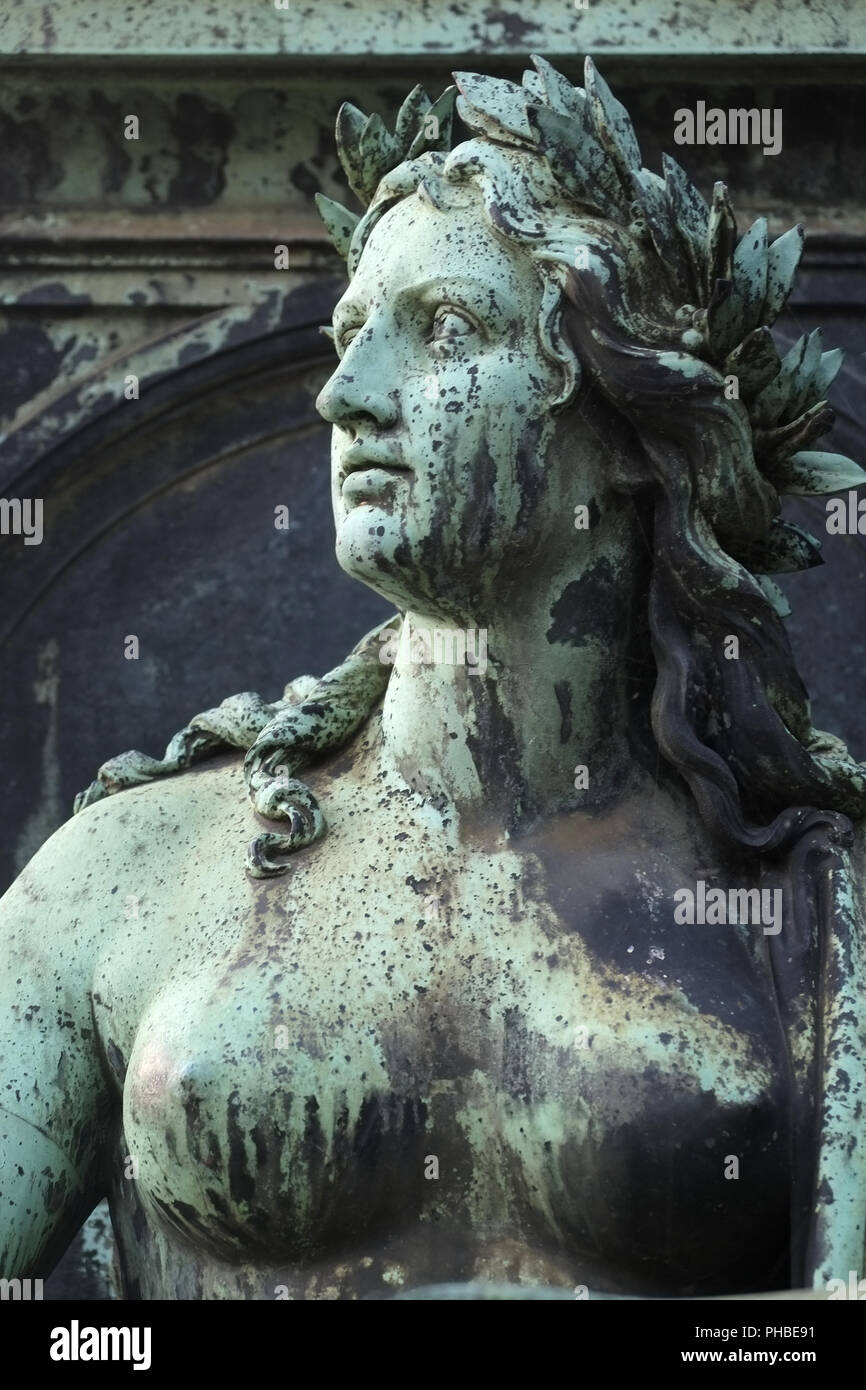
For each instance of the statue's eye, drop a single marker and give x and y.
(342, 341)
(449, 323)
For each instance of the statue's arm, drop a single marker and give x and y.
(54, 1104)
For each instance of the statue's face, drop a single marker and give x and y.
(441, 409)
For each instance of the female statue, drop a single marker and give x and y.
(567, 994)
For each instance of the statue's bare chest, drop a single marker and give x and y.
(317, 1049)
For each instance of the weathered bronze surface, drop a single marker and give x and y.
(472, 1037)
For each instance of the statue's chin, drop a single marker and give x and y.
(369, 548)
(398, 562)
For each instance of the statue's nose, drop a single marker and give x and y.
(358, 388)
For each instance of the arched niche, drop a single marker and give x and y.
(159, 524)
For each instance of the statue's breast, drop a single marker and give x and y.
(450, 1055)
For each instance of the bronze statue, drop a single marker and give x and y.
(567, 995)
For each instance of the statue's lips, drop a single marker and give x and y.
(371, 480)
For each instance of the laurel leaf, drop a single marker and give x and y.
(727, 322)
(803, 393)
(601, 173)
(409, 116)
(493, 106)
(720, 342)
(691, 217)
(783, 258)
(442, 113)
(741, 312)
(755, 362)
(535, 87)
(768, 406)
(350, 124)
(826, 372)
(339, 221)
(565, 148)
(815, 474)
(651, 195)
(721, 239)
(377, 143)
(774, 595)
(771, 446)
(750, 267)
(786, 549)
(612, 124)
(411, 112)
(379, 153)
(561, 95)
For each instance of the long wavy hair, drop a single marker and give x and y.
(739, 732)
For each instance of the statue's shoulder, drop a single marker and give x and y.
(126, 841)
(179, 809)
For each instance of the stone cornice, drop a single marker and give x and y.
(337, 31)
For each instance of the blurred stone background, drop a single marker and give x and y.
(155, 257)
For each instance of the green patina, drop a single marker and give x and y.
(477, 962)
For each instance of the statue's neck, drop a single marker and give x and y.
(517, 719)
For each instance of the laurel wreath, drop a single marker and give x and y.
(732, 289)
